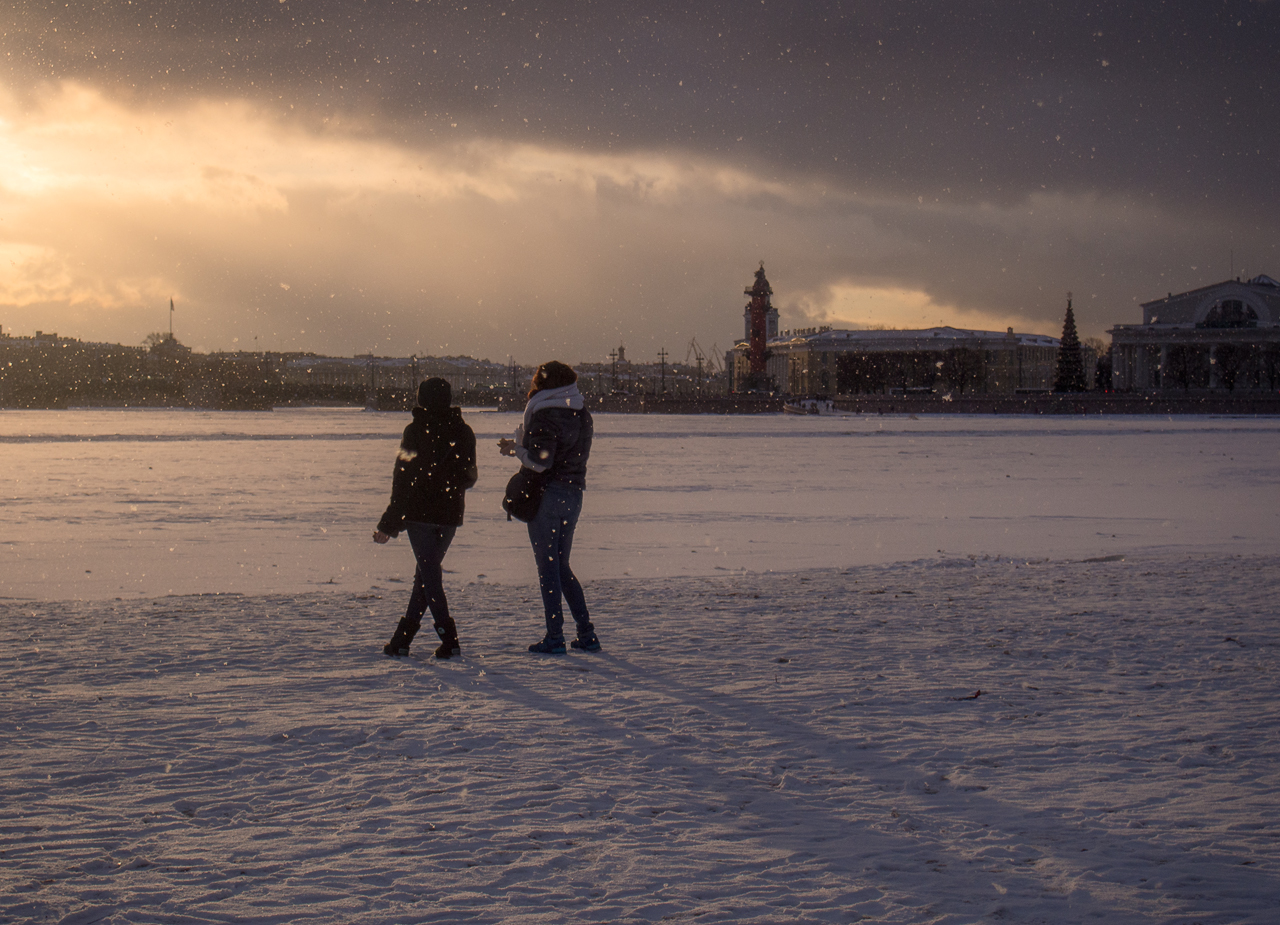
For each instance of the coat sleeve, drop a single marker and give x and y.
(402, 477)
(467, 459)
(540, 441)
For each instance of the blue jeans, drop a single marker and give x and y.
(430, 542)
(551, 534)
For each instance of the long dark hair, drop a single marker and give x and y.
(552, 375)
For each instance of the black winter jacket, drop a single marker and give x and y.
(435, 466)
(563, 436)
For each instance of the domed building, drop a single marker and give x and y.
(1224, 337)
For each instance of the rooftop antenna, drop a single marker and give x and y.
(170, 317)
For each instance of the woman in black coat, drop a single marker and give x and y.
(555, 439)
(434, 468)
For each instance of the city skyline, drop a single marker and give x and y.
(553, 179)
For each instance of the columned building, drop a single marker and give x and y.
(1221, 337)
(822, 361)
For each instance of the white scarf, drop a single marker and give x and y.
(567, 396)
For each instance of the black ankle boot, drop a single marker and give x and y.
(448, 648)
(447, 630)
(402, 638)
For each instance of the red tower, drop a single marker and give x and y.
(760, 317)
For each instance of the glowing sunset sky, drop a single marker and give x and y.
(552, 179)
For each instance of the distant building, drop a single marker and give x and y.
(465, 374)
(822, 361)
(1221, 337)
(48, 371)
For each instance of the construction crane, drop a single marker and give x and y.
(698, 355)
(694, 351)
(714, 363)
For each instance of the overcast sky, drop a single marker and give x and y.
(535, 179)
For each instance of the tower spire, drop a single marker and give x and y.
(761, 320)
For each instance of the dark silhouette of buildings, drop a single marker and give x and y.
(49, 371)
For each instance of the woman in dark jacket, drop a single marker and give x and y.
(434, 468)
(555, 439)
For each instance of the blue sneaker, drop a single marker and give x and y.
(586, 643)
(548, 647)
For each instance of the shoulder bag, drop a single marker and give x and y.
(524, 494)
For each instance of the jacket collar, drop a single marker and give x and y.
(434, 415)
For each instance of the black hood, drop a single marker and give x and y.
(435, 395)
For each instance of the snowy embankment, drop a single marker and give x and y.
(800, 748)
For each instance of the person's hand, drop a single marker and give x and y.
(379, 537)
(507, 446)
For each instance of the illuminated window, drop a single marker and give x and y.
(1230, 313)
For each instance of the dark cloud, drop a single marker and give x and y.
(980, 151)
(1175, 98)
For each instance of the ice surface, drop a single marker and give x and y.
(785, 724)
(101, 504)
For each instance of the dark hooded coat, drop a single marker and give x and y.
(434, 468)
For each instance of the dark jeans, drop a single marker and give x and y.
(430, 542)
(551, 534)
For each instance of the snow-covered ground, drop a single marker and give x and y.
(785, 726)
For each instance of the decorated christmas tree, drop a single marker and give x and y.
(1070, 362)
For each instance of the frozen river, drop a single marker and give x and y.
(938, 670)
(101, 504)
